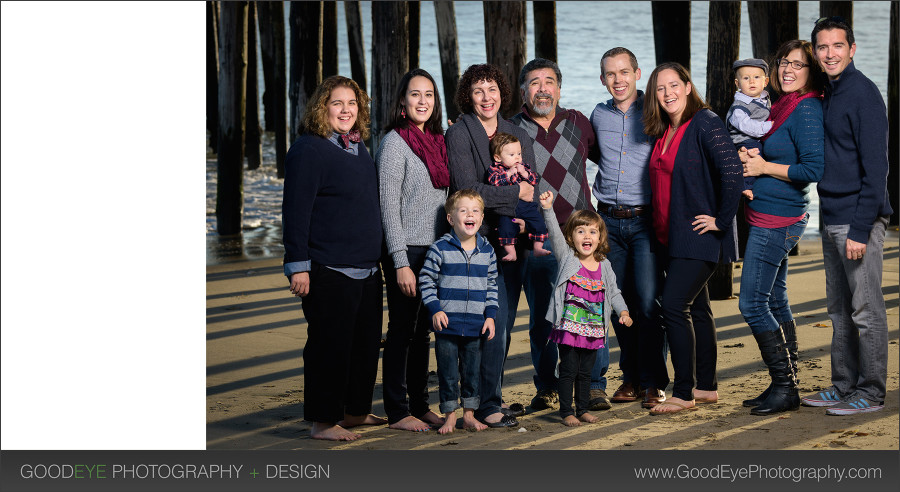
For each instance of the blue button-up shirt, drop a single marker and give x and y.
(623, 177)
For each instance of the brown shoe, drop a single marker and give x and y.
(653, 397)
(624, 394)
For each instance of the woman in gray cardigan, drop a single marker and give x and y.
(481, 94)
(413, 180)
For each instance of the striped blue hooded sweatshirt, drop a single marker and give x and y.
(462, 285)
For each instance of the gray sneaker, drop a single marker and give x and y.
(821, 399)
(599, 400)
(854, 406)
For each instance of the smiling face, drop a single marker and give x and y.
(790, 78)
(466, 218)
(342, 109)
(586, 239)
(672, 92)
(486, 101)
(419, 101)
(620, 78)
(833, 51)
(541, 93)
(751, 80)
(510, 155)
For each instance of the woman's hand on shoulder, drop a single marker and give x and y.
(406, 279)
(300, 284)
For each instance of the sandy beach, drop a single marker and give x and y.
(255, 334)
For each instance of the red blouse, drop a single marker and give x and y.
(661, 165)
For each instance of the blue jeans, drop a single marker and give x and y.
(458, 360)
(763, 298)
(859, 345)
(642, 347)
(493, 352)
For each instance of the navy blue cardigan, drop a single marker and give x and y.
(707, 179)
(331, 213)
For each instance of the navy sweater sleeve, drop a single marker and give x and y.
(870, 131)
(302, 178)
(720, 150)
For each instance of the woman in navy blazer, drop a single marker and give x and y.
(696, 179)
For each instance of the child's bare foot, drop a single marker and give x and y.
(354, 420)
(449, 423)
(471, 423)
(432, 418)
(410, 423)
(331, 432)
(587, 417)
(539, 249)
(571, 421)
(510, 252)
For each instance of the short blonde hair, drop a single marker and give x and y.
(315, 119)
(587, 217)
(452, 200)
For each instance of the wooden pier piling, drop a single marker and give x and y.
(232, 84)
(841, 9)
(390, 45)
(504, 39)
(353, 16)
(415, 30)
(329, 39)
(544, 14)
(252, 133)
(212, 74)
(771, 25)
(672, 32)
(306, 59)
(272, 44)
(448, 47)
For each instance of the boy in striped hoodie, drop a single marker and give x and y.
(459, 288)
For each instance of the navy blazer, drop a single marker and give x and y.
(707, 179)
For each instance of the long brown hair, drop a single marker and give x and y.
(399, 120)
(315, 119)
(816, 80)
(587, 218)
(655, 119)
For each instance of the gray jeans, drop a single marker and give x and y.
(859, 345)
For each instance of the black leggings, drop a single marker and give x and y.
(690, 325)
(575, 366)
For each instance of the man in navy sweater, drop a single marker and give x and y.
(854, 204)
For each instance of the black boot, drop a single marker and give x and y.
(789, 329)
(783, 395)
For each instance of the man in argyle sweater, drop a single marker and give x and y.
(563, 141)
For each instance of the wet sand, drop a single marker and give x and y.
(255, 334)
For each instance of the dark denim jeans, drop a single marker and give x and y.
(493, 352)
(458, 361)
(642, 347)
(763, 298)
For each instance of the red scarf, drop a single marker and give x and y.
(430, 148)
(784, 106)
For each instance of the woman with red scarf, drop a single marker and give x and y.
(777, 215)
(413, 180)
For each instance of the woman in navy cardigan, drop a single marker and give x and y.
(332, 242)
(696, 179)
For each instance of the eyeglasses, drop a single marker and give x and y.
(783, 63)
(833, 18)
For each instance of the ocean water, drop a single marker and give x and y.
(585, 30)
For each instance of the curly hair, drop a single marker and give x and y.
(655, 119)
(816, 80)
(479, 73)
(315, 119)
(587, 218)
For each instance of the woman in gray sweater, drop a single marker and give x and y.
(413, 180)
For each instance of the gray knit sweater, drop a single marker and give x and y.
(412, 210)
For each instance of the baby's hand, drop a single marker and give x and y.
(624, 319)
(439, 320)
(546, 200)
(488, 328)
(522, 171)
(748, 194)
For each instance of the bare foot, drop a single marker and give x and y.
(704, 396)
(510, 253)
(432, 418)
(539, 249)
(471, 423)
(354, 420)
(331, 432)
(673, 405)
(571, 421)
(410, 423)
(449, 424)
(493, 418)
(587, 417)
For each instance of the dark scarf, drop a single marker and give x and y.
(784, 106)
(430, 148)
